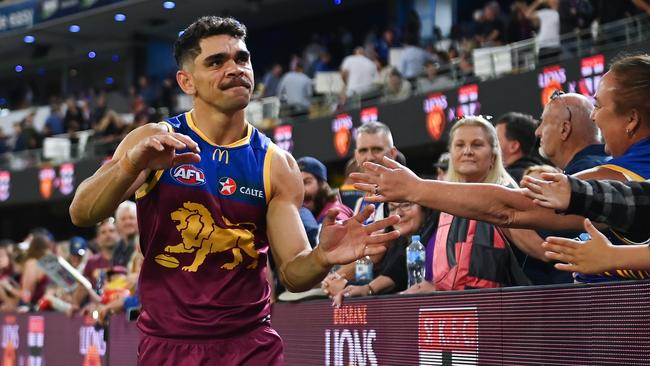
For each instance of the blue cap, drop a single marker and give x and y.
(78, 246)
(415, 238)
(311, 165)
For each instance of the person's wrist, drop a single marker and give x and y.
(412, 194)
(371, 291)
(320, 258)
(127, 166)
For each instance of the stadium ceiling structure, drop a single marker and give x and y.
(54, 43)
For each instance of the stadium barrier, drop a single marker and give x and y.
(604, 324)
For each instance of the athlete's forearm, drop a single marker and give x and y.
(98, 196)
(305, 271)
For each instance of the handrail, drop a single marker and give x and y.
(598, 38)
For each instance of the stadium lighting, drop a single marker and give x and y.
(29, 39)
(19, 68)
(337, 2)
(109, 81)
(74, 28)
(119, 17)
(181, 33)
(92, 54)
(169, 5)
(115, 58)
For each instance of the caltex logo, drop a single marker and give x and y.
(227, 186)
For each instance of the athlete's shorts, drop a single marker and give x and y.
(262, 346)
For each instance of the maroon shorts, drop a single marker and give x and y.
(261, 346)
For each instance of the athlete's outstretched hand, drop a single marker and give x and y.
(554, 191)
(592, 256)
(343, 243)
(392, 182)
(159, 151)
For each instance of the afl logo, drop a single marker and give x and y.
(227, 186)
(189, 174)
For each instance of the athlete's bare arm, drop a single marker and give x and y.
(146, 148)
(300, 268)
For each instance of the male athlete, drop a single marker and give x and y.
(213, 194)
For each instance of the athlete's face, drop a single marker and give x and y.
(221, 75)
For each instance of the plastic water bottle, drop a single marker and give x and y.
(363, 270)
(415, 254)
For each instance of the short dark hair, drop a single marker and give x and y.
(187, 45)
(520, 127)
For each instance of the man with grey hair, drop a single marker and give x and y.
(126, 222)
(374, 141)
(568, 136)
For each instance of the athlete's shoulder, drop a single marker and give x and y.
(285, 175)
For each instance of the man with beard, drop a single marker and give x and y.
(319, 196)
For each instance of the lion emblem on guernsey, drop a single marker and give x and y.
(201, 235)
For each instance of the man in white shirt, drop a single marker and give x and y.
(358, 73)
(548, 36)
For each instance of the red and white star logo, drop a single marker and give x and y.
(228, 186)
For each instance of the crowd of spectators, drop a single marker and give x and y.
(90, 111)
(367, 70)
(110, 262)
(479, 152)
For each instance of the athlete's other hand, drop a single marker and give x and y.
(159, 152)
(343, 243)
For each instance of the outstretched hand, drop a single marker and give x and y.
(159, 151)
(343, 243)
(392, 182)
(591, 256)
(552, 192)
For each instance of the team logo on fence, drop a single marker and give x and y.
(434, 107)
(448, 336)
(370, 114)
(342, 129)
(5, 185)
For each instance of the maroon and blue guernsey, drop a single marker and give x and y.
(203, 235)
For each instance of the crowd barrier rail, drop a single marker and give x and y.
(603, 324)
